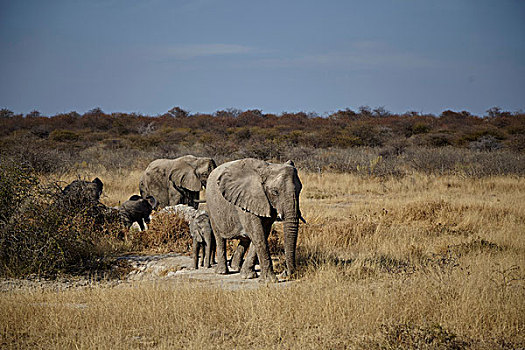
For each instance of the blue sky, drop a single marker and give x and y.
(147, 56)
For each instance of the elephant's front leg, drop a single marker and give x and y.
(259, 238)
(221, 256)
(141, 224)
(192, 197)
(248, 267)
(174, 195)
(195, 253)
(207, 254)
(203, 248)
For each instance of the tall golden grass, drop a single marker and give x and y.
(421, 262)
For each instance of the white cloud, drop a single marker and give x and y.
(360, 55)
(185, 52)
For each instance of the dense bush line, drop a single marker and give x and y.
(367, 141)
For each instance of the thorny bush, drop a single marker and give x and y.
(43, 232)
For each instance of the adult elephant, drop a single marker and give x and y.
(176, 181)
(244, 199)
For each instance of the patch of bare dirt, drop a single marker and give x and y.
(167, 268)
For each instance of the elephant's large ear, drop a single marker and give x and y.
(183, 175)
(241, 185)
(99, 184)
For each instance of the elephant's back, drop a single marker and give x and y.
(160, 164)
(133, 210)
(158, 169)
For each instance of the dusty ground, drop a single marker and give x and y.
(166, 268)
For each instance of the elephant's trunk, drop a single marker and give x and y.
(290, 228)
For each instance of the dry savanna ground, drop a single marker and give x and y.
(416, 262)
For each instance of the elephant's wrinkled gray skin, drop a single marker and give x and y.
(137, 209)
(202, 234)
(244, 199)
(176, 181)
(84, 190)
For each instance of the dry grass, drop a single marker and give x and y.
(418, 262)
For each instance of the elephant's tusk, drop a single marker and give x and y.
(200, 201)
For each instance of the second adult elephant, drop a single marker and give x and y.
(244, 199)
(176, 181)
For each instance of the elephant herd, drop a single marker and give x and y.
(243, 199)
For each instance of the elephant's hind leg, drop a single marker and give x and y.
(203, 248)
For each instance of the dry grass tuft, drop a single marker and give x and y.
(167, 232)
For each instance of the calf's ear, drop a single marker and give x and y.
(99, 184)
(152, 201)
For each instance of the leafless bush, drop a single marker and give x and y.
(45, 234)
(30, 151)
(486, 143)
(450, 160)
(166, 232)
(146, 129)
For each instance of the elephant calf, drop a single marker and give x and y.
(202, 235)
(137, 209)
(200, 230)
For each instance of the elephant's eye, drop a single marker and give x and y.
(274, 192)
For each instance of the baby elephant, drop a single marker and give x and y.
(202, 234)
(137, 209)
